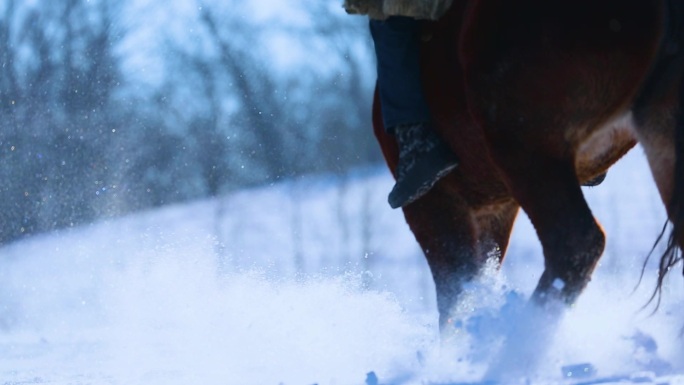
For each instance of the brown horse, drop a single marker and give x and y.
(537, 97)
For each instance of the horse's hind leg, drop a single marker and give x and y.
(549, 192)
(540, 173)
(538, 83)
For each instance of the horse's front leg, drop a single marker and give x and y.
(444, 228)
(457, 240)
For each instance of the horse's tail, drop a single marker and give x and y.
(668, 70)
(673, 253)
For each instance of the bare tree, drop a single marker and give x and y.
(72, 149)
(57, 77)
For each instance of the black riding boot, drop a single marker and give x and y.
(424, 158)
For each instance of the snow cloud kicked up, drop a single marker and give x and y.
(289, 287)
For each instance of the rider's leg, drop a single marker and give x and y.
(423, 157)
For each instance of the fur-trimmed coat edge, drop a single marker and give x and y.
(381, 9)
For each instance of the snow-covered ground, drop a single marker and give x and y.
(320, 282)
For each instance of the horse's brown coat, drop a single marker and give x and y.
(535, 97)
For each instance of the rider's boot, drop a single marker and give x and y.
(424, 159)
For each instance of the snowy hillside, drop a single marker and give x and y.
(316, 281)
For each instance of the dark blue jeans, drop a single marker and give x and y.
(397, 48)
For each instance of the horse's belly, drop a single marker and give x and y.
(604, 146)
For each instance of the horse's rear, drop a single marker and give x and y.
(543, 79)
(543, 96)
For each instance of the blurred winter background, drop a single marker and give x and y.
(110, 107)
(191, 194)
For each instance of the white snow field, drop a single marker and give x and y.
(319, 282)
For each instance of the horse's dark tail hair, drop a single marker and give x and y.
(673, 253)
(658, 290)
(669, 69)
(671, 256)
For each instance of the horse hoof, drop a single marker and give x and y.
(596, 181)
